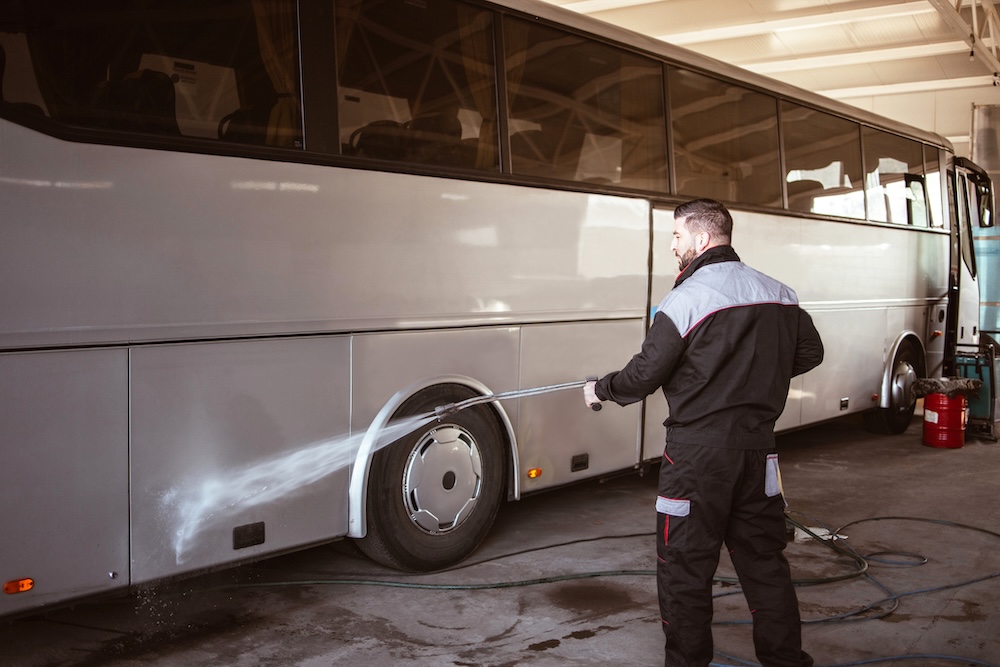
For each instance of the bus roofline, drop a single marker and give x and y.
(357, 505)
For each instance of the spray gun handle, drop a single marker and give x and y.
(596, 407)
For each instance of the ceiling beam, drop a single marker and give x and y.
(842, 58)
(973, 35)
(908, 87)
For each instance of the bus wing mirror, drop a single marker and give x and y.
(985, 204)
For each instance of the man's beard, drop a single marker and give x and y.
(684, 260)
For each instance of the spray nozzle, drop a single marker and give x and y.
(443, 411)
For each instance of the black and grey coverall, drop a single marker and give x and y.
(723, 346)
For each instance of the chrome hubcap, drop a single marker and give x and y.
(903, 377)
(442, 479)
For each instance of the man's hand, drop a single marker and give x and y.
(590, 394)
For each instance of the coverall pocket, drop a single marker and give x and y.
(673, 506)
(772, 477)
(670, 513)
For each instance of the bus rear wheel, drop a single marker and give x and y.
(433, 494)
(907, 366)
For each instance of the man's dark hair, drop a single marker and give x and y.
(707, 215)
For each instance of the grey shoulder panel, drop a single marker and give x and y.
(718, 287)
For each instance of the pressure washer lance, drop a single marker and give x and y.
(451, 408)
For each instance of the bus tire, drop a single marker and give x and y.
(907, 366)
(433, 494)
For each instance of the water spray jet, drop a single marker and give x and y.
(197, 505)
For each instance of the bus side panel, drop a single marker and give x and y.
(238, 449)
(118, 244)
(64, 437)
(554, 428)
(550, 428)
(853, 352)
(863, 296)
(388, 363)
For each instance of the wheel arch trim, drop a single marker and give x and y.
(358, 490)
(885, 390)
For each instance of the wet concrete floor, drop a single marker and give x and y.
(565, 578)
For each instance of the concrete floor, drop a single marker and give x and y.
(593, 546)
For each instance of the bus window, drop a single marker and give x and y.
(894, 176)
(583, 111)
(224, 69)
(725, 140)
(822, 162)
(417, 82)
(933, 159)
(18, 85)
(968, 214)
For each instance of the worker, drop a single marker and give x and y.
(723, 346)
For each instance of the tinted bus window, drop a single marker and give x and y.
(583, 111)
(894, 179)
(225, 69)
(417, 82)
(725, 140)
(822, 162)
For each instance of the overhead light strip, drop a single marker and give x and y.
(594, 6)
(800, 23)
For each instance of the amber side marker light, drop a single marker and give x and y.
(534, 473)
(18, 586)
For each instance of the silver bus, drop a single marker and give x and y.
(240, 239)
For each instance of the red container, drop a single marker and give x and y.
(944, 421)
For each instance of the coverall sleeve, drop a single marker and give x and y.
(649, 369)
(808, 346)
